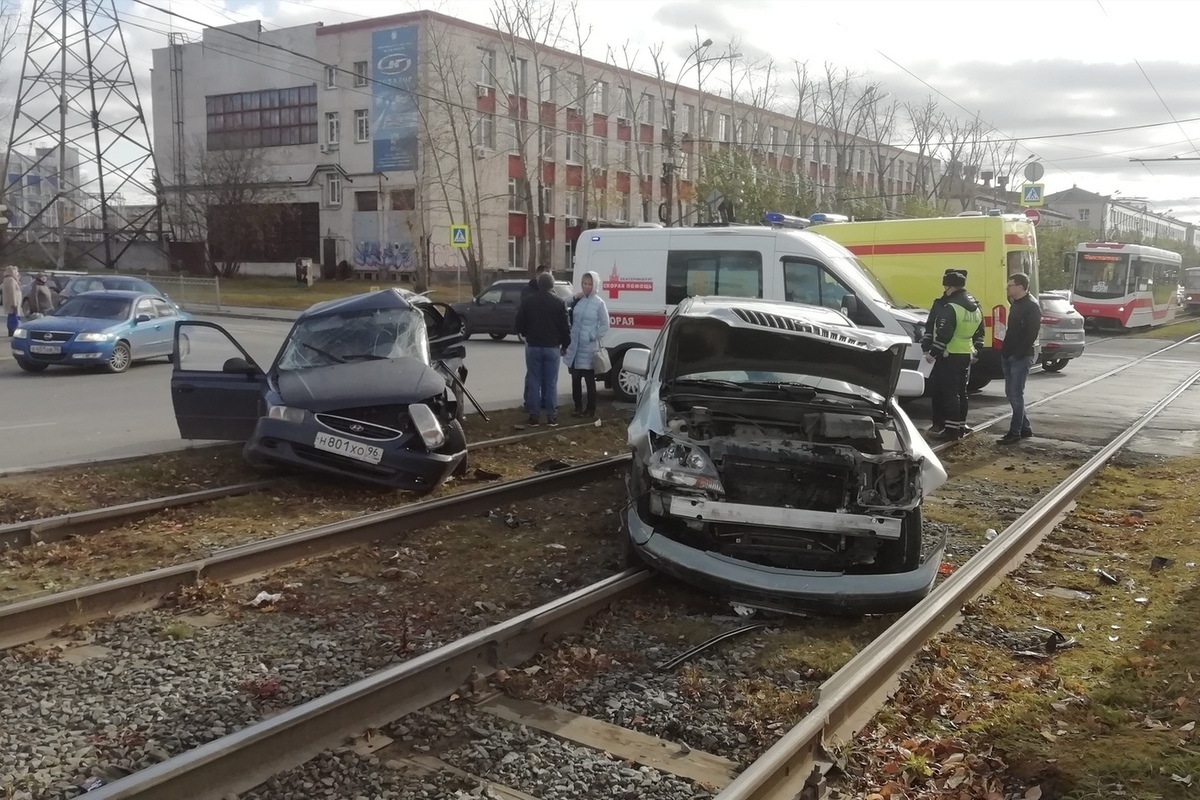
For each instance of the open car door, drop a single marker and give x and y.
(445, 328)
(216, 388)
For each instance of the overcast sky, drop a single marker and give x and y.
(1029, 68)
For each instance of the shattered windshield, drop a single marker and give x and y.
(372, 334)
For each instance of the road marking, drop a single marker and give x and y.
(27, 425)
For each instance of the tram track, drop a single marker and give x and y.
(60, 527)
(793, 767)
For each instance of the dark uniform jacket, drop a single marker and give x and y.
(945, 321)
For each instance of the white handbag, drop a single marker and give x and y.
(601, 363)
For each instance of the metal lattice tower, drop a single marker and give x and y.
(79, 147)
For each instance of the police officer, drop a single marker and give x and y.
(956, 336)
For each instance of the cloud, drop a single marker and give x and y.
(690, 15)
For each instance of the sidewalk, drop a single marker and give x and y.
(244, 312)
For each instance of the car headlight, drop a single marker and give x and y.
(427, 425)
(93, 337)
(679, 464)
(286, 414)
(20, 333)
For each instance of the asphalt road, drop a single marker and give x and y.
(63, 416)
(66, 416)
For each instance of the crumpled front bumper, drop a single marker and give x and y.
(776, 589)
(289, 444)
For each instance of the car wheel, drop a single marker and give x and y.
(185, 348)
(30, 366)
(497, 336)
(903, 554)
(121, 358)
(626, 385)
(1055, 365)
(456, 442)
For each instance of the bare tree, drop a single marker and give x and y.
(887, 145)
(840, 101)
(233, 204)
(457, 139)
(926, 122)
(634, 159)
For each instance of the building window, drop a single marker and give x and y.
(516, 252)
(1085, 214)
(516, 197)
(520, 79)
(574, 203)
(573, 90)
(689, 119)
(574, 154)
(548, 201)
(599, 153)
(487, 67)
(623, 207)
(330, 77)
(333, 190)
(267, 118)
(366, 201)
(360, 73)
(723, 128)
(647, 109)
(333, 127)
(485, 130)
(600, 98)
(549, 148)
(514, 135)
(547, 85)
(685, 166)
(404, 199)
(630, 106)
(362, 125)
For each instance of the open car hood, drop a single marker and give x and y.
(785, 344)
(360, 383)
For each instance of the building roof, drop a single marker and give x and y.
(1076, 195)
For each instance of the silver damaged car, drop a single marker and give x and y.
(773, 465)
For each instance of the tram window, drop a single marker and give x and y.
(1142, 275)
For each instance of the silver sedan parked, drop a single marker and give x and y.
(1062, 332)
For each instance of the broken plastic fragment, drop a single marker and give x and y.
(990, 534)
(1142, 600)
(487, 474)
(1108, 578)
(945, 569)
(743, 611)
(91, 784)
(1160, 562)
(1184, 779)
(265, 597)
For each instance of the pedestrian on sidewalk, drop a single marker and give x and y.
(41, 299)
(1018, 353)
(542, 321)
(10, 297)
(589, 325)
(532, 287)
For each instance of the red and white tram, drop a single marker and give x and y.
(1125, 285)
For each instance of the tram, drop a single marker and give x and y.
(1191, 289)
(1115, 284)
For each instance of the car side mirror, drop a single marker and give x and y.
(240, 366)
(637, 361)
(141, 318)
(910, 384)
(850, 305)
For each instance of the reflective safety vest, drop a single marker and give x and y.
(965, 325)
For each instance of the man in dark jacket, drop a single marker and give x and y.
(542, 320)
(532, 286)
(1018, 353)
(956, 339)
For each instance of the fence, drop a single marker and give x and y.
(189, 292)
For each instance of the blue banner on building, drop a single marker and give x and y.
(395, 122)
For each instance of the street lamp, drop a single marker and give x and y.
(669, 162)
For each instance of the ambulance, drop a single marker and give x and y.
(909, 257)
(646, 271)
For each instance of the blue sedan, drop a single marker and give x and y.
(108, 328)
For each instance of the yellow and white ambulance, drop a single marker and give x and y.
(909, 257)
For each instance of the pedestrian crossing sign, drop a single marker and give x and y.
(1031, 195)
(460, 236)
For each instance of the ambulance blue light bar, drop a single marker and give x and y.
(818, 218)
(777, 219)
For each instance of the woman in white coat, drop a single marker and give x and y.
(589, 325)
(10, 293)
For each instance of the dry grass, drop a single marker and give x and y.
(1180, 330)
(1115, 716)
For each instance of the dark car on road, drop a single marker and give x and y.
(79, 284)
(368, 387)
(1062, 333)
(494, 311)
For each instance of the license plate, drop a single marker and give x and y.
(349, 448)
(1072, 337)
(45, 348)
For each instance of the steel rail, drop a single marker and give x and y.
(84, 523)
(793, 767)
(27, 620)
(247, 758)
